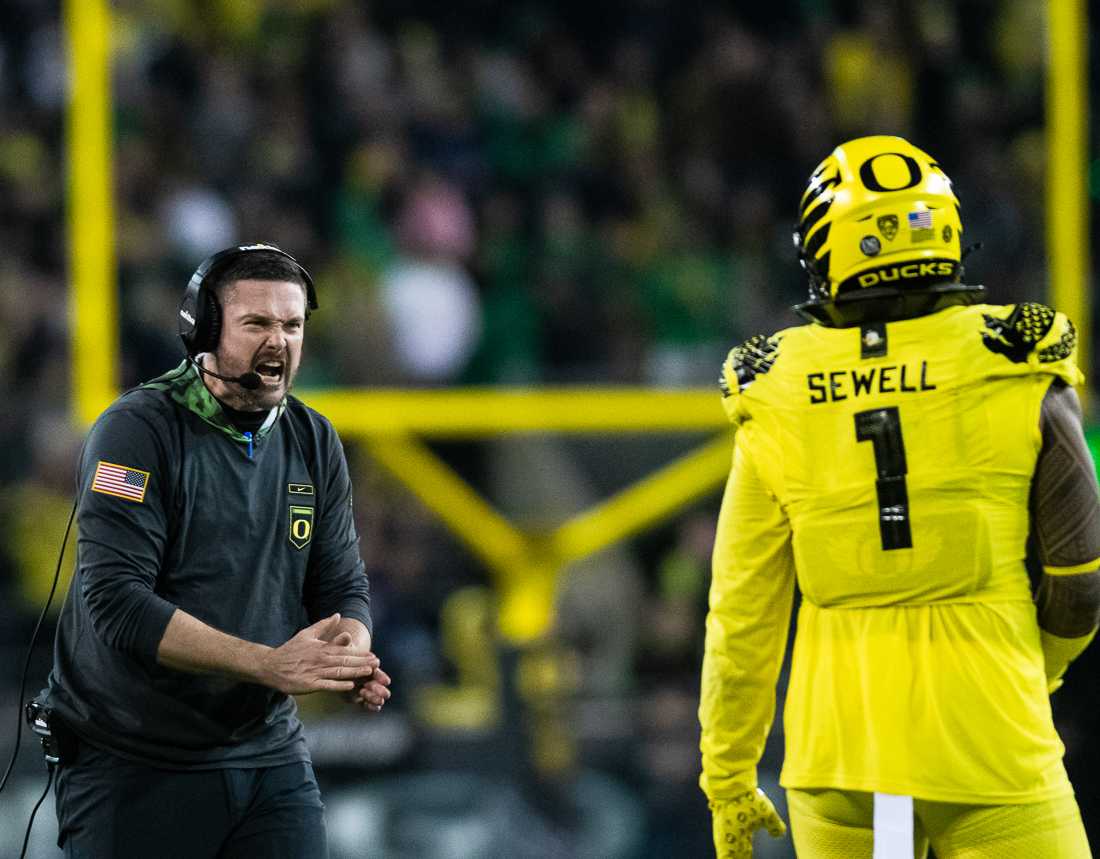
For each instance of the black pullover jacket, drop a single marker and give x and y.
(253, 535)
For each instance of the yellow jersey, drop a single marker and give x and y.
(887, 468)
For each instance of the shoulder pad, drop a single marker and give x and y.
(1030, 327)
(744, 363)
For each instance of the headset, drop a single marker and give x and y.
(200, 315)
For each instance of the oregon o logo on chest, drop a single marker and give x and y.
(301, 526)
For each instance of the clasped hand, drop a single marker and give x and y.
(310, 662)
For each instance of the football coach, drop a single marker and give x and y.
(218, 574)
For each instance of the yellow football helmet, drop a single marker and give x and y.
(878, 219)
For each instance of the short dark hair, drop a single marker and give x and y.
(255, 265)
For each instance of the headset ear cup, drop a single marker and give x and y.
(212, 323)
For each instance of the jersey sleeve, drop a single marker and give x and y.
(123, 531)
(337, 579)
(752, 588)
(1065, 499)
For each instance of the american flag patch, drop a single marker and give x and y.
(920, 220)
(111, 479)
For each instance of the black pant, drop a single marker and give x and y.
(110, 808)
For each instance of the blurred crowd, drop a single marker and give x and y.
(534, 193)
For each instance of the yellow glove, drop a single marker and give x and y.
(736, 819)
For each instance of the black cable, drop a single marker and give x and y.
(30, 651)
(34, 811)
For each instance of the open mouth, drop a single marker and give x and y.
(270, 370)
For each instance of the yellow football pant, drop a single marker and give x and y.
(834, 824)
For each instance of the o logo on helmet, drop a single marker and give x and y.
(871, 181)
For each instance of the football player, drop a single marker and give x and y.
(892, 457)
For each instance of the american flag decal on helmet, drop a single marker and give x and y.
(921, 220)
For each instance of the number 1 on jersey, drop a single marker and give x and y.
(882, 427)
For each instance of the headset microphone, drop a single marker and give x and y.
(249, 381)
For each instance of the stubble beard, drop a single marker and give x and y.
(265, 398)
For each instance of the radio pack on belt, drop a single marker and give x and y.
(58, 742)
